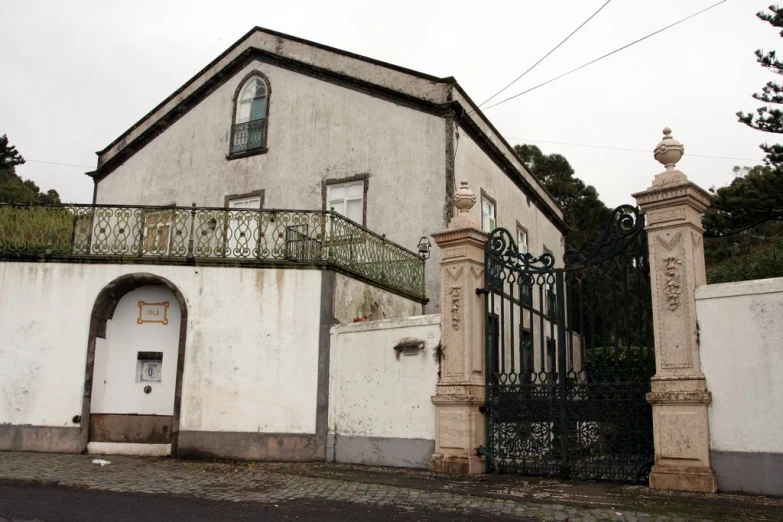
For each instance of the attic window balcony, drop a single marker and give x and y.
(248, 138)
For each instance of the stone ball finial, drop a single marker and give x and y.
(668, 151)
(464, 199)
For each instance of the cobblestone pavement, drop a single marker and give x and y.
(271, 484)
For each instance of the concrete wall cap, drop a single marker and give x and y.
(387, 324)
(740, 288)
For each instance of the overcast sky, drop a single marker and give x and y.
(76, 73)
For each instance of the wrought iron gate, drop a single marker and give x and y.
(570, 355)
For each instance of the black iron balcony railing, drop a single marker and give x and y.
(248, 136)
(178, 235)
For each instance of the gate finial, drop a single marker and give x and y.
(668, 152)
(464, 200)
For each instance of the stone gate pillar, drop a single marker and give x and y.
(461, 389)
(679, 395)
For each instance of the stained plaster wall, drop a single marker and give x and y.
(512, 205)
(741, 348)
(317, 131)
(380, 407)
(251, 362)
(430, 89)
(355, 299)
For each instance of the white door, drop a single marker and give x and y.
(135, 368)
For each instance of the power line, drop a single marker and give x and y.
(56, 163)
(607, 55)
(629, 150)
(547, 54)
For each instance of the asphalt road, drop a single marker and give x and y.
(23, 502)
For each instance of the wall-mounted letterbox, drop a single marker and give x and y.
(149, 366)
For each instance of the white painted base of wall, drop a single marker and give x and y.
(129, 448)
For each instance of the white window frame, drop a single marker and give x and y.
(522, 239)
(489, 221)
(246, 202)
(330, 200)
(242, 99)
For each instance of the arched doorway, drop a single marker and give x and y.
(134, 368)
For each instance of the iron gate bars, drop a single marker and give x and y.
(569, 356)
(108, 233)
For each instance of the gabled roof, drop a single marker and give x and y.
(422, 91)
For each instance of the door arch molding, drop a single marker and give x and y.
(102, 311)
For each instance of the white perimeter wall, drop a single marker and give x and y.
(251, 354)
(741, 345)
(374, 393)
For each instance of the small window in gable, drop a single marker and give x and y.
(252, 101)
(248, 132)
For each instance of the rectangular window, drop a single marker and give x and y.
(551, 355)
(251, 202)
(527, 350)
(347, 199)
(157, 232)
(488, 216)
(242, 233)
(521, 240)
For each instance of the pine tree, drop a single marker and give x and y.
(14, 189)
(769, 118)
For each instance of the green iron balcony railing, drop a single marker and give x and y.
(234, 237)
(248, 136)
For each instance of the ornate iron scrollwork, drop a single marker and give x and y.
(215, 235)
(569, 356)
(623, 227)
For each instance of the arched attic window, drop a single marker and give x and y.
(251, 108)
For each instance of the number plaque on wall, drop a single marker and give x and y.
(153, 313)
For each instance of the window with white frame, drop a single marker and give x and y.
(347, 199)
(488, 215)
(521, 240)
(242, 231)
(251, 105)
(252, 202)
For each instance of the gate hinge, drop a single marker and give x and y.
(482, 290)
(484, 409)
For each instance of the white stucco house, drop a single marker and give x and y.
(190, 310)
(280, 122)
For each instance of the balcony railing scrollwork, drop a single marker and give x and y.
(208, 236)
(249, 136)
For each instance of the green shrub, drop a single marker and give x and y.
(760, 261)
